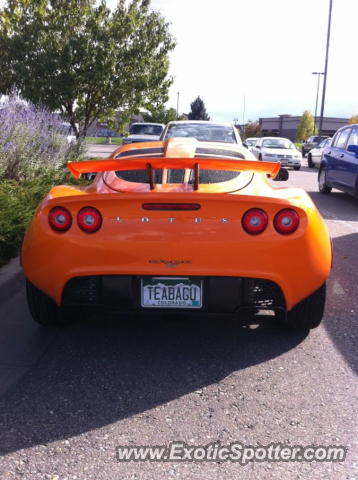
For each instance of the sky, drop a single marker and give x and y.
(261, 54)
(263, 50)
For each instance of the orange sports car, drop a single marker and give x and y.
(178, 226)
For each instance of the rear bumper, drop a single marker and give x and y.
(285, 162)
(298, 264)
(222, 295)
(290, 163)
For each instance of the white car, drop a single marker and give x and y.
(203, 131)
(144, 132)
(68, 133)
(278, 149)
(314, 156)
(250, 142)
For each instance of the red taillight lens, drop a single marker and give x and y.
(286, 221)
(254, 221)
(89, 219)
(60, 219)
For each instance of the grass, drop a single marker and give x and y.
(103, 140)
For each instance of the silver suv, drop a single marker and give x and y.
(312, 142)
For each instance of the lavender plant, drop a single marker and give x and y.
(32, 139)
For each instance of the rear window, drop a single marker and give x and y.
(179, 175)
(202, 132)
(145, 129)
(176, 175)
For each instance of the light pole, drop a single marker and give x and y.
(325, 67)
(315, 112)
(178, 93)
(243, 116)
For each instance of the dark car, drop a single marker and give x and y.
(312, 142)
(144, 132)
(339, 164)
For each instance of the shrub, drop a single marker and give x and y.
(18, 201)
(32, 137)
(33, 153)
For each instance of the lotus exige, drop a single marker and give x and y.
(178, 226)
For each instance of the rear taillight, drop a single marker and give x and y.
(286, 221)
(254, 221)
(89, 219)
(60, 219)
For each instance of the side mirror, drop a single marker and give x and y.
(282, 175)
(353, 149)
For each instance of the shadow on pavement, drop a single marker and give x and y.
(96, 374)
(344, 206)
(309, 170)
(341, 314)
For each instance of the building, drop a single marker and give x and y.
(286, 126)
(101, 129)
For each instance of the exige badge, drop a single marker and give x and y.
(171, 263)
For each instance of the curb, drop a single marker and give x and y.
(11, 279)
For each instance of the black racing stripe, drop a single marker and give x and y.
(141, 151)
(217, 151)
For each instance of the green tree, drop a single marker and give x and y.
(306, 126)
(198, 110)
(252, 129)
(78, 57)
(160, 115)
(353, 119)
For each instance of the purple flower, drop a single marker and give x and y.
(31, 137)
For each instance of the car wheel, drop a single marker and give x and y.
(297, 168)
(309, 312)
(309, 161)
(322, 186)
(43, 309)
(260, 157)
(303, 152)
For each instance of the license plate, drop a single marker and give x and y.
(171, 292)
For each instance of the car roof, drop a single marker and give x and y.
(349, 125)
(275, 138)
(206, 122)
(147, 123)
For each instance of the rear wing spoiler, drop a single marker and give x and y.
(150, 164)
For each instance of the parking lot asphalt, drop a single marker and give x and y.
(70, 396)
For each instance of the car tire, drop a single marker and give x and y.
(309, 312)
(322, 186)
(297, 168)
(44, 310)
(309, 161)
(303, 152)
(260, 157)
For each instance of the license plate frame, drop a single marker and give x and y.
(185, 292)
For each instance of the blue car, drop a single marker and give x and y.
(339, 165)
